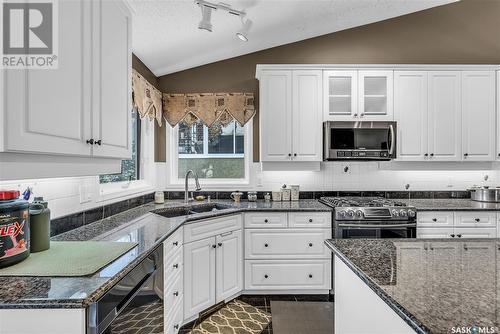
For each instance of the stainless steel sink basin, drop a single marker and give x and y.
(190, 210)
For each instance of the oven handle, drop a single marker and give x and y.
(391, 148)
(378, 225)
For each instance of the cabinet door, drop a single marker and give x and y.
(48, 111)
(112, 91)
(444, 114)
(276, 115)
(307, 117)
(199, 276)
(229, 265)
(410, 111)
(375, 95)
(340, 95)
(478, 115)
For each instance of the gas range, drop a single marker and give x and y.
(369, 208)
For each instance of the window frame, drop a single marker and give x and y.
(172, 157)
(146, 182)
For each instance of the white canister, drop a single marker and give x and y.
(276, 196)
(159, 197)
(285, 194)
(295, 190)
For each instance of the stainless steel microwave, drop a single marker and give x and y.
(359, 141)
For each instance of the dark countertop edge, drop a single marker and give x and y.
(85, 302)
(395, 306)
(456, 209)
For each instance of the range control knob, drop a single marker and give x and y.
(359, 214)
(350, 213)
(403, 213)
(342, 213)
(395, 213)
(411, 214)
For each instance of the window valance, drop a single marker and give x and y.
(146, 98)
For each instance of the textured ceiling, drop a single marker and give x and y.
(167, 39)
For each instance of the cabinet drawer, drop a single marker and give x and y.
(475, 219)
(287, 274)
(286, 244)
(173, 266)
(472, 232)
(434, 233)
(263, 219)
(209, 228)
(173, 293)
(310, 219)
(173, 243)
(435, 219)
(174, 321)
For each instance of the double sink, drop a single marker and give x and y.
(192, 210)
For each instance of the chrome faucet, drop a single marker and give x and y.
(186, 185)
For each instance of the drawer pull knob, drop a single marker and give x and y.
(477, 219)
(266, 245)
(176, 293)
(310, 220)
(310, 276)
(452, 235)
(434, 219)
(310, 244)
(266, 221)
(220, 244)
(459, 235)
(176, 265)
(214, 246)
(176, 326)
(266, 276)
(176, 243)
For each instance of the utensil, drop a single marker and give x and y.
(236, 196)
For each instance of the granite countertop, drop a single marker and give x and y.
(139, 225)
(451, 204)
(433, 284)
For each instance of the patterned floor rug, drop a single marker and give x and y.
(147, 319)
(236, 317)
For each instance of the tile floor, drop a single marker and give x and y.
(263, 302)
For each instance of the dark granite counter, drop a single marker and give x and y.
(451, 204)
(433, 284)
(136, 225)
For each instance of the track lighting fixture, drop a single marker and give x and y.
(242, 34)
(206, 17)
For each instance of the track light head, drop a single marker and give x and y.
(206, 16)
(242, 34)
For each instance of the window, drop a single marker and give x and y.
(130, 168)
(215, 152)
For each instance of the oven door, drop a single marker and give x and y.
(375, 230)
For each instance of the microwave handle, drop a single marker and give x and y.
(391, 131)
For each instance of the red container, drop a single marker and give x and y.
(14, 228)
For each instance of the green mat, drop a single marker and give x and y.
(69, 258)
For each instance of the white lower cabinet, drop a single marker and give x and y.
(213, 267)
(173, 291)
(290, 255)
(459, 224)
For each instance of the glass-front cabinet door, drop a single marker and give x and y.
(375, 95)
(340, 95)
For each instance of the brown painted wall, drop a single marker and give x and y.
(464, 32)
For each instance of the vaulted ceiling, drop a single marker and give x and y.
(167, 39)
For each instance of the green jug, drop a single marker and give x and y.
(39, 225)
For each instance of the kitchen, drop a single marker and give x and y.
(221, 170)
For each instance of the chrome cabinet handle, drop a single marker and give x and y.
(391, 148)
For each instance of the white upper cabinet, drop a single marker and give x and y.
(340, 95)
(48, 111)
(444, 114)
(276, 115)
(375, 95)
(478, 115)
(410, 112)
(112, 103)
(291, 115)
(307, 136)
(58, 111)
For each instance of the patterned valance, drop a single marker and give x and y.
(208, 108)
(146, 98)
